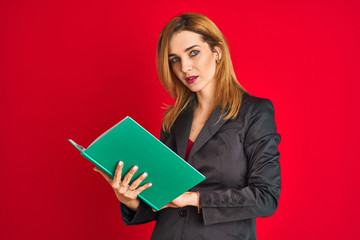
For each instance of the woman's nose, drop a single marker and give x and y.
(186, 66)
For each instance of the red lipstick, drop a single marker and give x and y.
(191, 79)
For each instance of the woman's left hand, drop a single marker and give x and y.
(186, 199)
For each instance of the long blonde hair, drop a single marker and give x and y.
(229, 91)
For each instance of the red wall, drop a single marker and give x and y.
(72, 69)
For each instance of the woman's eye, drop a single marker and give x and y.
(194, 52)
(174, 60)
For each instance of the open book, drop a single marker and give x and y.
(129, 142)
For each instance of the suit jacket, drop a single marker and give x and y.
(240, 161)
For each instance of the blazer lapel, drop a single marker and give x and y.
(208, 130)
(182, 129)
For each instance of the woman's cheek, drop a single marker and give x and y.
(208, 66)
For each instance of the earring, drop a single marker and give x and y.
(217, 61)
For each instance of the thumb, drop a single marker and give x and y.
(167, 205)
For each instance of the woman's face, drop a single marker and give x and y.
(192, 61)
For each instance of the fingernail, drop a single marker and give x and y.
(150, 184)
(135, 168)
(144, 174)
(95, 169)
(120, 163)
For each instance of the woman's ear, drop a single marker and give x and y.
(217, 53)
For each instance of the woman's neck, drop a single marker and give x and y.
(205, 100)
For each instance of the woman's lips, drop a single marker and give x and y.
(191, 79)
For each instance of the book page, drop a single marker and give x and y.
(79, 147)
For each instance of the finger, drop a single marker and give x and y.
(173, 205)
(163, 207)
(117, 176)
(142, 188)
(137, 182)
(107, 178)
(129, 175)
(166, 206)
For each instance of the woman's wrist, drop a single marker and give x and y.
(198, 202)
(194, 200)
(133, 204)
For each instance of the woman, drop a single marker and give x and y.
(221, 130)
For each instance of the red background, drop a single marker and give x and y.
(72, 69)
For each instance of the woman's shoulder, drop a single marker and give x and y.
(253, 105)
(259, 117)
(251, 100)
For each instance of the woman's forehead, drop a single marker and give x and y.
(181, 41)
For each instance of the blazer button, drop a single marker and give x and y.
(208, 202)
(182, 213)
(216, 202)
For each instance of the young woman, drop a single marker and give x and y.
(221, 130)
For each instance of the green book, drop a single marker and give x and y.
(129, 142)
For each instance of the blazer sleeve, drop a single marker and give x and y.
(260, 197)
(143, 215)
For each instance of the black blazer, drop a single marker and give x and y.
(240, 161)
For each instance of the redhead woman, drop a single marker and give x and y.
(224, 132)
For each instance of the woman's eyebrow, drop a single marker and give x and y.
(187, 49)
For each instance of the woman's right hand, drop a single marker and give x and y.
(126, 194)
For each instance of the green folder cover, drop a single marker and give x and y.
(129, 142)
